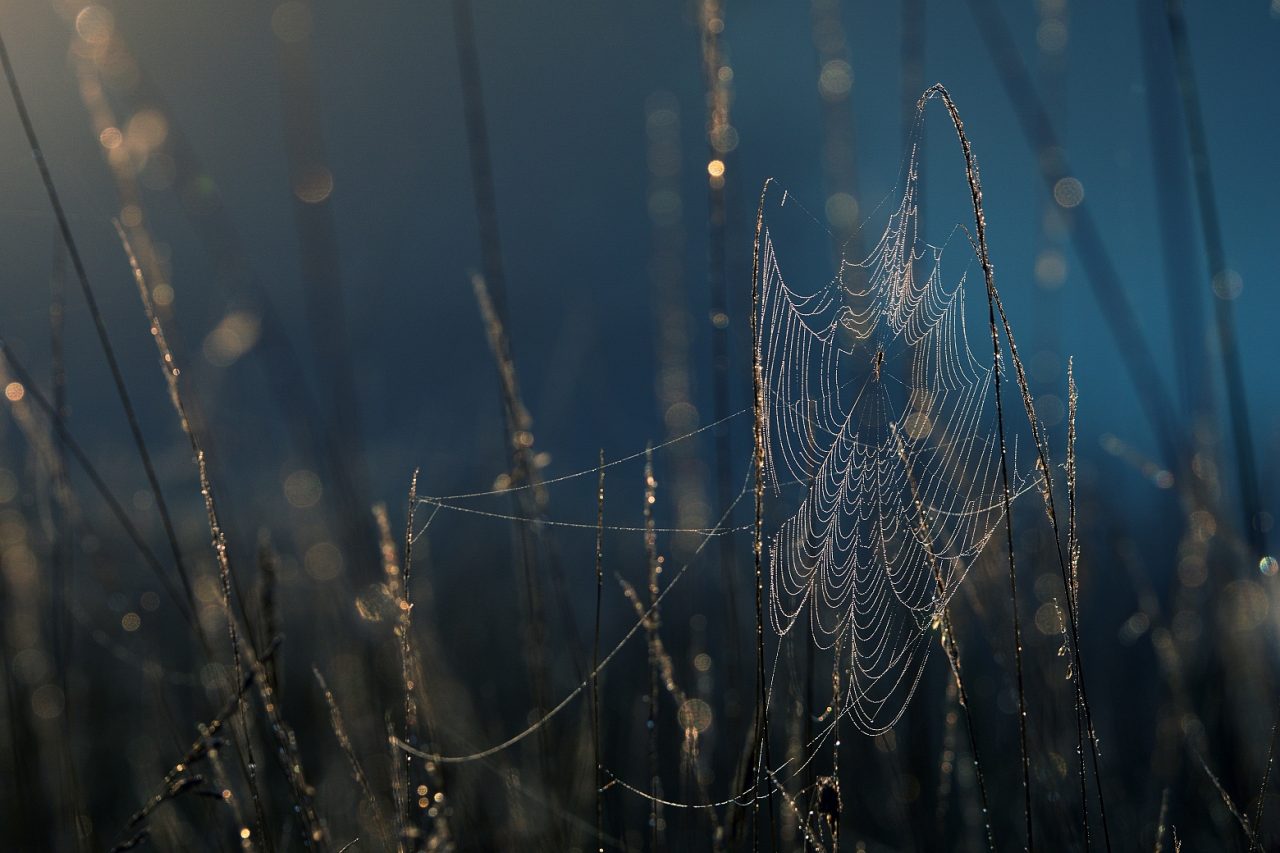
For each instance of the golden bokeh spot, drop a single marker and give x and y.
(1052, 35)
(302, 488)
(47, 702)
(1049, 619)
(1068, 192)
(146, 130)
(323, 561)
(724, 139)
(835, 80)
(231, 338)
(917, 425)
(1227, 284)
(694, 714)
(1051, 269)
(314, 185)
(95, 24)
(842, 211)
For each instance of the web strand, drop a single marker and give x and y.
(876, 403)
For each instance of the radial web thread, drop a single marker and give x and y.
(880, 412)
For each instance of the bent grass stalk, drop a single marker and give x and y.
(348, 750)
(244, 741)
(1069, 576)
(314, 831)
(988, 272)
(595, 660)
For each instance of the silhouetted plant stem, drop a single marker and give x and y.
(595, 661)
(100, 485)
(1229, 803)
(1255, 838)
(718, 129)
(757, 538)
(178, 780)
(839, 149)
(980, 226)
(652, 618)
(219, 542)
(348, 750)
(527, 502)
(63, 516)
(1175, 214)
(1069, 574)
(914, 20)
(62, 542)
(1160, 821)
(273, 355)
(321, 266)
(1073, 588)
(1216, 255)
(491, 291)
(108, 351)
(996, 307)
(478, 154)
(399, 585)
(1100, 270)
(951, 648)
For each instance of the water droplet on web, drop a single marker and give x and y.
(869, 378)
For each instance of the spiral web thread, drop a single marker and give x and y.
(876, 406)
(873, 404)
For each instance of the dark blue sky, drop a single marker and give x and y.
(565, 87)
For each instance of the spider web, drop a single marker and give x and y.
(879, 411)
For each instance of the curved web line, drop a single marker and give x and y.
(875, 402)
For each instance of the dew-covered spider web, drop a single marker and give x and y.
(879, 415)
(882, 448)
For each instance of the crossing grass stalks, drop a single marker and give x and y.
(407, 744)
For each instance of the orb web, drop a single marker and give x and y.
(879, 413)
